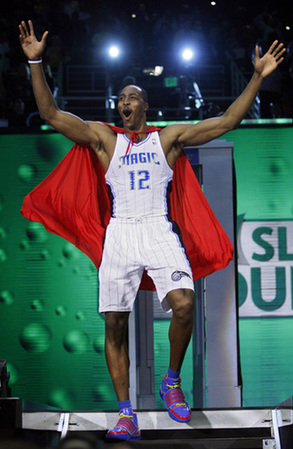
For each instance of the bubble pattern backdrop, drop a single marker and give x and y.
(51, 333)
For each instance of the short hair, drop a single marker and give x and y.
(143, 92)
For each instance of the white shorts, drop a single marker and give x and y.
(132, 246)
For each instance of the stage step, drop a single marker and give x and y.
(243, 428)
(209, 428)
(224, 443)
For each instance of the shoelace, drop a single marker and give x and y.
(126, 421)
(122, 415)
(175, 395)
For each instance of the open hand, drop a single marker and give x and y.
(270, 60)
(32, 48)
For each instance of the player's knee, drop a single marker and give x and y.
(115, 327)
(182, 304)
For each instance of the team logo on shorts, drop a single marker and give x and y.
(177, 275)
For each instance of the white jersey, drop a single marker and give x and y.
(138, 182)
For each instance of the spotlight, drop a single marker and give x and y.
(114, 51)
(187, 54)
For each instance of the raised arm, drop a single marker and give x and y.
(68, 124)
(176, 136)
(262, 68)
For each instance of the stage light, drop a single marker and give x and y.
(114, 51)
(187, 54)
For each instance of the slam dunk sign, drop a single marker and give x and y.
(265, 268)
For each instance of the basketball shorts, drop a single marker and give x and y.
(134, 245)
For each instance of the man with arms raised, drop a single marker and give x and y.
(138, 166)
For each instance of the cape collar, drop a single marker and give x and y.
(133, 134)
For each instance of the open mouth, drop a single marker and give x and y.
(127, 113)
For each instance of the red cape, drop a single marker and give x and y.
(73, 203)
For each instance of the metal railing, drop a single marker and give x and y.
(238, 83)
(88, 93)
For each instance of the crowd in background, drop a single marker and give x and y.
(150, 33)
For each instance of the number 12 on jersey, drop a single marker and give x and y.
(139, 179)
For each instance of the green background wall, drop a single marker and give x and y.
(51, 333)
(264, 175)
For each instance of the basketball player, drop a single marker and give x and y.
(138, 168)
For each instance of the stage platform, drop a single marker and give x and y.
(210, 428)
(242, 428)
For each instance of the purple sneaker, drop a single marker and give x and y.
(173, 396)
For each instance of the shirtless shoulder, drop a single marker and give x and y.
(171, 135)
(104, 142)
(170, 142)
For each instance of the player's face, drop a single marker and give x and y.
(131, 106)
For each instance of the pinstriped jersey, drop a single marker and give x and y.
(138, 182)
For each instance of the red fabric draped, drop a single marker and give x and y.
(133, 134)
(207, 244)
(73, 203)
